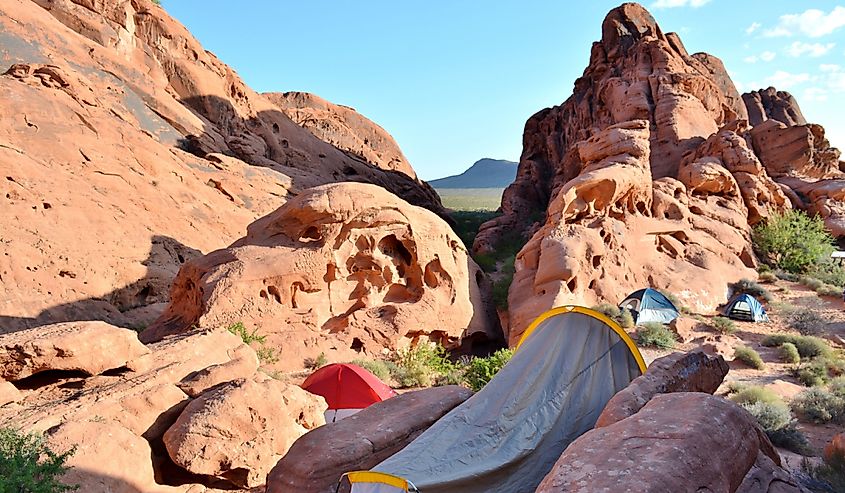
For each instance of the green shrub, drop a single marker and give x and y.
(382, 369)
(267, 355)
(655, 335)
(837, 387)
(27, 465)
(831, 473)
(316, 363)
(767, 277)
(749, 356)
(808, 346)
(810, 282)
(786, 276)
(789, 353)
(482, 370)
(774, 416)
(791, 438)
(828, 271)
(806, 322)
(723, 325)
(422, 365)
(763, 268)
(248, 337)
(793, 241)
(486, 262)
(747, 286)
(819, 406)
(467, 224)
(829, 290)
(752, 394)
(622, 316)
(501, 286)
(811, 375)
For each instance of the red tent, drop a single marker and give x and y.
(347, 387)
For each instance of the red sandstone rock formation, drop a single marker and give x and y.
(649, 175)
(771, 104)
(127, 149)
(344, 128)
(341, 269)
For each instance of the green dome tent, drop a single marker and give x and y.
(507, 437)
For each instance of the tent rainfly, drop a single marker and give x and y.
(347, 389)
(506, 437)
(745, 307)
(373, 482)
(650, 305)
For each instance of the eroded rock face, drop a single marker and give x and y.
(677, 372)
(341, 269)
(121, 125)
(316, 460)
(612, 229)
(635, 73)
(239, 430)
(89, 347)
(771, 104)
(684, 441)
(344, 128)
(644, 176)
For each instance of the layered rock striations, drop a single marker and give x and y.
(127, 149)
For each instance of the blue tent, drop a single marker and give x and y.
(745, 307)
(649, 305)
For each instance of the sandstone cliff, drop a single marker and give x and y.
(127, 150)
(649, 175)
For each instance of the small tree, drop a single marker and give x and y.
(27, 465)
(793, 241)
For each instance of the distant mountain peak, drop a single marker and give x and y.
(484, 173)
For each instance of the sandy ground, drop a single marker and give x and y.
(832, 309)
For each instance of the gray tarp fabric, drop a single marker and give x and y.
(507, 437)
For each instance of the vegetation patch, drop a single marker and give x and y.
(467, 224)
(747, 286)
(653, 334)
(806, 322)
(27, 465)
(793, 241)
(480, 371)
(774, 416)
(817, 405)
(830, 473)
(723, 325)
(749, 356)
(621, 316)
(808, 346)
(789, 353)
(266, 355)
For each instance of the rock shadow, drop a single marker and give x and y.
(133, 306)
(269, 140)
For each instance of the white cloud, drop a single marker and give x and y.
(813, 23)
(669, 4)
(836, 81)
(783, 80)
(753, 27)
(814, 50)
(766, 56)
(829, 67)
(814, 94)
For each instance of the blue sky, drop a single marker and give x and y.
(454, 81)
